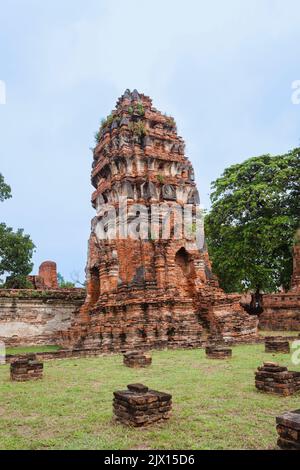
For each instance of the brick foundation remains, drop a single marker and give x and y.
(273, 378)
(139, 406)
(136, 359)
(27, 368)
(277, 344)
(218, 352)
(288, 429)
(148, 290)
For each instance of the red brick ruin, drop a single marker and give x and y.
(149, 292)
(47, 277)
(276, 379)
(281, 311)
(277, 344)
(139, 406)
(136, 359)
(288, 429)
(26, 368)
(218, 352)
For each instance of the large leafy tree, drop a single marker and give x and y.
(16, 249)
(253, 220)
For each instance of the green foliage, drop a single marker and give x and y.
(253, 219)
(97, 136)
(106, 122)
(170, 120)
(5, 190)
(64, 284)
(138, 128)
(140, 109)
(16, 250)
(160, 179)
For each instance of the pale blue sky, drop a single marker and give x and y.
(224, 70)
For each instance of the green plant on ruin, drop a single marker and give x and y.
(160, 178)
(97, 136)
(138, 128)
(140, 109)
(170, 121)
(106, 122)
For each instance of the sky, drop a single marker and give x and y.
(224, 70)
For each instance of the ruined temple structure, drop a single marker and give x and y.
(149, 292)
(47, 277)
(37, 315)
(281, 311)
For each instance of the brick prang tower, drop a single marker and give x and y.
(150, 292)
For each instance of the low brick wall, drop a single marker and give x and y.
(62, 354)
(33, 317)
(280, 312)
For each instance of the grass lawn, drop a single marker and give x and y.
(278, 333)
(31, 349)
(215, 403)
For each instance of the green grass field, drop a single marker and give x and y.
(215, 403)
(31, 349)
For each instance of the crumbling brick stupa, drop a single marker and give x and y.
(149, 290)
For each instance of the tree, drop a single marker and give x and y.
(253, 220)
(16, 250)
(64, 284)
(5, 190)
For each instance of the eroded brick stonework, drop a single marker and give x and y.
(136, 359)
(288, 429)
(273, 378)
(149, 293)
(47, 277)
(30, 316)
(277, 344)
(281, 311)
(218, 352)
(139, 406)
(26, 368)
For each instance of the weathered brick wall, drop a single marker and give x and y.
(30, 317)
(281, 312)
